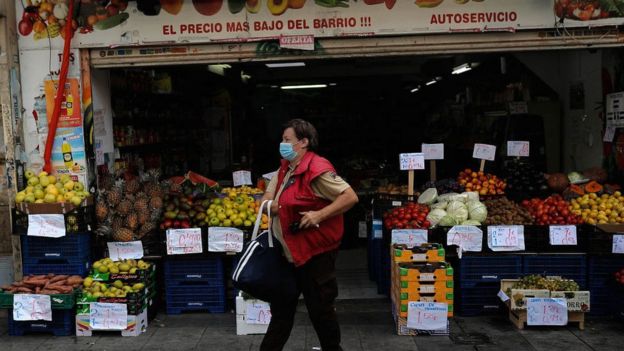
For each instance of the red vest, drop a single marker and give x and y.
(298, 196)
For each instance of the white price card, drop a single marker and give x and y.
(506, 238)
(48, 225)
(412, 161)
(433, 151)
(108, 316)
(224, 239)
(31, 307)
(618, 244)
(484, 152)
(409, 237)
(547, 311)
(501, 295)
(184, 241)
(257, 312)
(269, 176)
(609, 134)
(518, 108)
(241, 178)
(563, 235)
(518, 148)
(427, 315)
(118, 251)
(467, 237)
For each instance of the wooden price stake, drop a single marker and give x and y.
(411, 162)
(433, 152)
(484, 153)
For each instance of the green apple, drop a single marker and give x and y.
(29, 174)
(58, 185)
(50, 198)
(76, 201)
(39, 201)
(39, 194)
(69, 185)
(42, 174)
(20, 197)
(78, 186)
(65, 178)
(33, 181)
(44, 181)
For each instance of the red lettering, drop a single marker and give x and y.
(183, 28)
(434, 19)
(168, 30)
(473, 17)
(513, 16)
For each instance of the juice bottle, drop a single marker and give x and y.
(67, 154)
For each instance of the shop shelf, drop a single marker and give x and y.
(479, 269)
(480, 299)
(62, 324)
(71, 247)
(565, 265)
(56, 267)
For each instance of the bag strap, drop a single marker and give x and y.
(254, 234)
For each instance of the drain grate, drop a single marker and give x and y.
(470, 339)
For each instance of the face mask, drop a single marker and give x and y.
(287, 151)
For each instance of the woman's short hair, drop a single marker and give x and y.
(304, 129)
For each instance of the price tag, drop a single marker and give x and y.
(241, 178)
(412, 161)
(518, 148)
(563, 235)
(547, 311)
(484, 152)
(501, 295)
(118, 251)
(409, 237)
(427, 315)
(269, 176)
(184, 241)
(518, 108)
(31, 307)
(467, 237)
(257, 312)
(618, 244)
(506, 238)
(223, 239)
(108, 316)
(433, 151)
(427, 289)
(47, 225)
(609, 134)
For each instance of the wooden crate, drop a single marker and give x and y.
(519, 318)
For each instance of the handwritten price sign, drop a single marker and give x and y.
(433, 151)
(118, 251)
(409, 237)
(108, 316)
(257, 312)
(506, 238)
(563, 235)
(427, 315)
(31, 307)
(518, 148)
(184, 241)
(221, 239)
(618, 244)
(484, 152)
(47, 225)
(241, 178)
(547, 311)
(468, 238)
(413, 161)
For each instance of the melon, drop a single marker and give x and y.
(558, 182)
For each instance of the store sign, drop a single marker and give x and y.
(518, 148)
(409, 237)
(468, 238)
(31, 307)
(563, 235)
(427, 315)
(618, 244)
(186, 21)
(223, 239)
(615, 110)
(433, 151)
(506, 238)
(131, 250)
(241, 178)
(184, 241)
(257, 312)
(46, 225)
(297, 42)
(108, 316)
(547, 311)
(484, 152)
(412, 161)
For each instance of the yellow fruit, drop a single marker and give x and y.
(88, 281)
(42, 174)
(44, 181)
(103, 269)
(138, 286)
(49, 198)
(124, 267)
(118, 284)
(60, 198)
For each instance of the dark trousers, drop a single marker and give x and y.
(317, 281)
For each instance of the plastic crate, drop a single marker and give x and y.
(58, 301)
(57, 267)
(71, 247)
(62, 324)
(201, 298)
(601, 282)
(567, 266)
(84, 218)
(481, 269)
(481, 299)
(202, 268)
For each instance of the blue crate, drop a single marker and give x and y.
(567, 266)
(207, 268)
(57, 268)
(479, 300)
(601, 282)
(183, 299)
(70, 247)
(480, 269)
(375, 258)
(63, 324)
(193, 281)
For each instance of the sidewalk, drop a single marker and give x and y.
(366, 325)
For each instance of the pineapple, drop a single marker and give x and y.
(123, 234)
(133, 186)
(101, 209)
(124, 207)
(114, 196)
(132, 221)
(156, 203)
(146, 229)
(141, 204)
(143, 216)
(116, 224)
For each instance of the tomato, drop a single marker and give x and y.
(25, 26)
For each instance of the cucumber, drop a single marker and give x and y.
(112, 21)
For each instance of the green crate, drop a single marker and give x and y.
(58, 301)
(141, 275)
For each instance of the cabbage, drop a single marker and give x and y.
(477, 211)
(448, 221)
(471, 196)
(446, 197)
(428, 196)
(459, 197)
(440, 205)
(435, 216)
(457, 210)
(574, 177)
(471, 222)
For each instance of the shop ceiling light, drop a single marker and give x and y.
(307, 86)
(285, 64)
(415, 89)
(462, 69)
(431, 82)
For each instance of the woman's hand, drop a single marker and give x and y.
(310, 219)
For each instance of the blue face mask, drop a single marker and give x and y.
(287, 151)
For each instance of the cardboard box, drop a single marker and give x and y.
(55, 208)
(578, 301)
(423, 287)
(136, 325)
(242, 327)
(426, 253)
(425, 272)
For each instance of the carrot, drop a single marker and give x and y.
(58, 283)
(58, 278)
(74, 280)
(24, 290)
